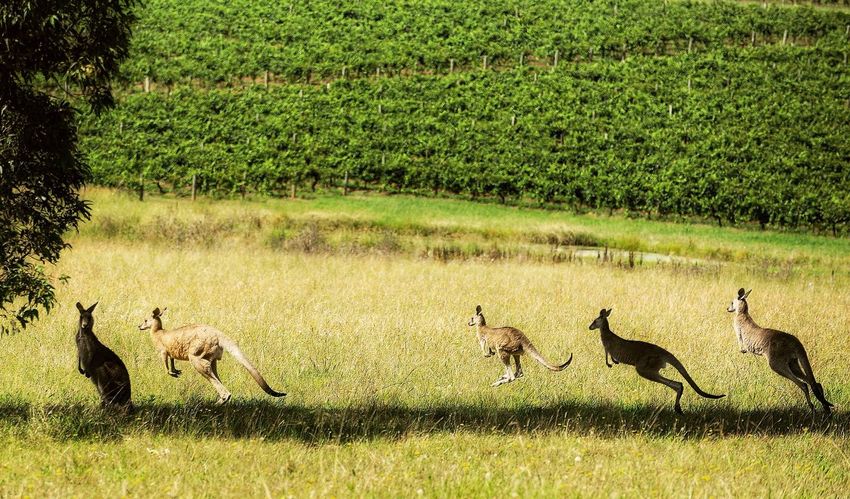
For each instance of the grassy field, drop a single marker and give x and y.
(411, 225)
(388, 393)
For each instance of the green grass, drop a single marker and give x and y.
(420, 222)
(388, 394)
(471, 460)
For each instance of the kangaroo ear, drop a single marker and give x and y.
(747, 294)
(91, 309)
(741, 293)
(602, 313)
(80, 307)
(608, 313)
(478, 309)
(163, 311)
(156, 312)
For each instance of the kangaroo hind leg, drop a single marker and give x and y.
(518, 373)
(214, 372)
(207, 369)
(509, 375)
(817, 389)
(654, 375)
(785, 370)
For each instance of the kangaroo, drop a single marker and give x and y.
(101, 365)
(202, 346)
(785, 354)
(647, 358)
(508, 342)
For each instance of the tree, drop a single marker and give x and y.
(53, 54)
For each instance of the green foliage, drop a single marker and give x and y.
(731, 135)
(217, 41)
(81, 44)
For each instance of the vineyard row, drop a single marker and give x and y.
(728, 136)
(319, 39)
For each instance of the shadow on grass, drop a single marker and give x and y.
(273, 420)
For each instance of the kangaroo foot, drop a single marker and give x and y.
(175, 373)
(818, 389)
(223, 400)
(502, 381)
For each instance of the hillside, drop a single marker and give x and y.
(716, 110)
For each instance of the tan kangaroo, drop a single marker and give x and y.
(508, 342)
(647, 358)
(202, 346)
(785, 354)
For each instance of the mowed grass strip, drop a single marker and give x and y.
(389, 395)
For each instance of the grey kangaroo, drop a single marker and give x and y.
(202, 346)
(100, 364)
(785, 354)
(508, 342)
(647, 358)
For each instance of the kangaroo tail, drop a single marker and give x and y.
(539, 358)
(817, 389)
(237, 354)
(673, 361)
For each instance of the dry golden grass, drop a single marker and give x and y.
(389, 395)
(341, 330)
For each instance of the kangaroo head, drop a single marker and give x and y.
(154, 321)
(602, 320)
(86, 318)
(739, 304)
(477, 319)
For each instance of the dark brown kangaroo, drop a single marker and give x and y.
(100, 364)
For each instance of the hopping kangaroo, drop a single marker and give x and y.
(785, 354)
(100, 364)
(202, 346)
(508, 342)
(647, 358)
